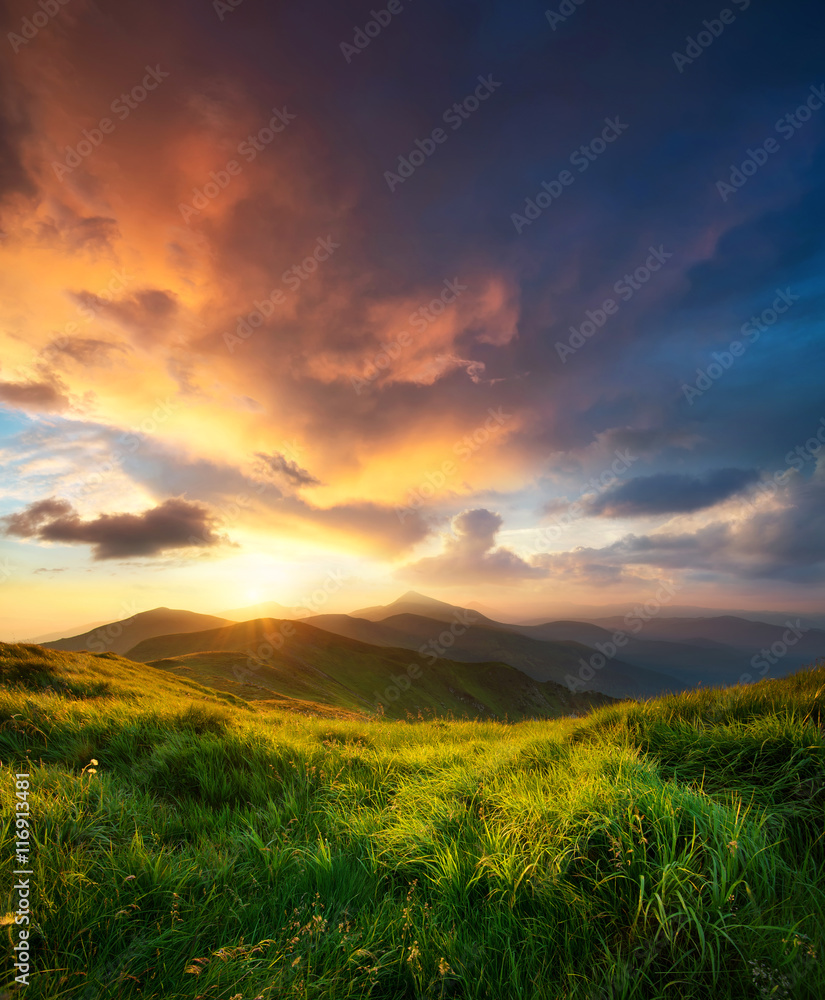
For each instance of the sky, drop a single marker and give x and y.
(319, 303)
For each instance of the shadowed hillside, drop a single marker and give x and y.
(294, 659)
(462, 637)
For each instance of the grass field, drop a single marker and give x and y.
(227, 850)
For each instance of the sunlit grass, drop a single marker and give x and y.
(669, 849)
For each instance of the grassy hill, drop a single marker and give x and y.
(668, 654)
(228, 849)
(118, 637)
(312, 664)
(485, 640)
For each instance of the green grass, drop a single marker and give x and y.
(225, 849)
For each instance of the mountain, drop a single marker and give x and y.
(413, 603)
(38, 640)
(266, 609)
(374, 633)
(300, 661)
(671, 652)
(473, 638)
(700, 661)
(118, 637)
(616, 612)
(743, 634)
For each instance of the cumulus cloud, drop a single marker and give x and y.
(15, 126)
(782, 537)
(469, 555)
(386, 308)
(291, 471)
(36, 397)
(268, 504)
(667, 493)
(148, 313)
(86, 351)
(174, 524)
(76, 233)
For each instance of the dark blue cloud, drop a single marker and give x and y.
(668, 493)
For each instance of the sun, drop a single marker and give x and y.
(253, 594)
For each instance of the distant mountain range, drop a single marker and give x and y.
(119, 637)
(472, 638)
(267, 658)
(454, 658)
(52, 636)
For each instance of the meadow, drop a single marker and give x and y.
(189, 844)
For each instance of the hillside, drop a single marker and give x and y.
(266, 658)
(485, 640)
(191, 844)
(39, 640)
(658, 653)
(120, 636)
(735, 632)
(413, 603)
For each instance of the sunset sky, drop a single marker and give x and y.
(499, 305)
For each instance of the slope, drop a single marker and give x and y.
(740, 633)
(119, 636)
(268, 658)
(666, 849)
(692, 662)
(485, 640)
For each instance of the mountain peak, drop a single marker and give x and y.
(413, 597)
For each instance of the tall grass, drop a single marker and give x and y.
(671, 849)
